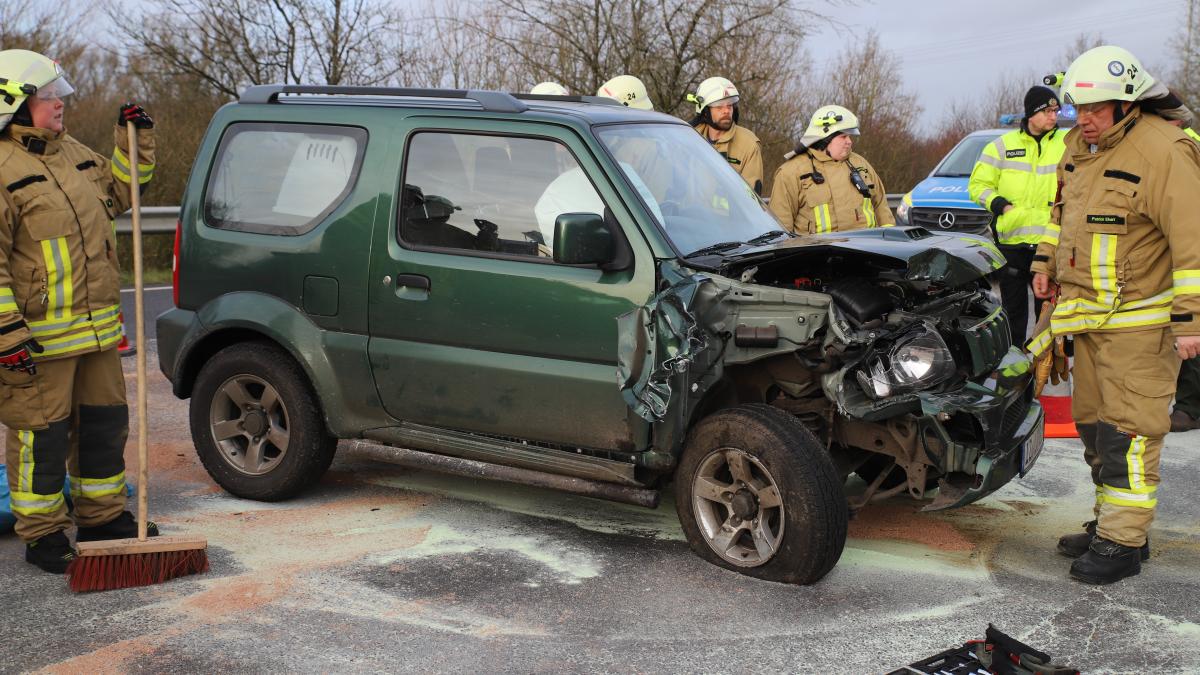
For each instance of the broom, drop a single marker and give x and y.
(124, 563)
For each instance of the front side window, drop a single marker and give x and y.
(491, 194)
(282, 179)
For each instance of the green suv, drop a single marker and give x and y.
(562, 291)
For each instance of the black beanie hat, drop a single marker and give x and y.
(1038, 99)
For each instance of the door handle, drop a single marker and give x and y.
(416, 282)
(410, 286)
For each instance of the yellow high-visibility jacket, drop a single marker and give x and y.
(742, 149)
(1123, 245)
(59, 280)
(1018, 169)
(806, 205)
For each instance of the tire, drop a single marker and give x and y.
(272, 449)
(796, 541)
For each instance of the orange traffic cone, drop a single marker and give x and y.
(1056, 401)
(124, 347)
(1059, 423)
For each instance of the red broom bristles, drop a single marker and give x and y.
(110, 572)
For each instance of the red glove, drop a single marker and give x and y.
(132, 112)
(19, 358)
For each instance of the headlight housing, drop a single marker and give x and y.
(917, 361)
(903, 209)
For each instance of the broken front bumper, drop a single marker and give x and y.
(1008, 425)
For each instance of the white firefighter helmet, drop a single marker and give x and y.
(23, 74)
(828, 121)
(627, 89)
(1106, 73)
(549, 89)
(712, 91)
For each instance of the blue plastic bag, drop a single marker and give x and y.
(8, 520)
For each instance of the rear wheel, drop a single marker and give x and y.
(256, 424)
(756, 493)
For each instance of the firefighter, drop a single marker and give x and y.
(627, 89)
(1122, 256)
(549, 89)
(1015, 180)
(716, 119)
(62, 392)
(1185, 416)
(824, 186)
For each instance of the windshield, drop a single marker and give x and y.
(962, 158)
(692, 190)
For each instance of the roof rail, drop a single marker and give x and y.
(570, 98)
(492, 101)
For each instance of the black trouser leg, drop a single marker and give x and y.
(1187, 395)
(1015, 282)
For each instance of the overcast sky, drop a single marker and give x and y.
(954, 49)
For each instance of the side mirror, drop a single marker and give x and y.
(583, 239)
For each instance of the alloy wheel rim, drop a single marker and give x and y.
(738, 507)
(249, 424)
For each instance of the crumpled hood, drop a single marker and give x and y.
(916, 254)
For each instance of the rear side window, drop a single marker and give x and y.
(282, 178)
(490, 194)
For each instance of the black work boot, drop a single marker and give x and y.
(1105, 562)
(123, 526)
(51, 553)
(1075, 545)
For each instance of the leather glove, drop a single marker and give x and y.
(1060, 369)
(20, 358)
(132, 112)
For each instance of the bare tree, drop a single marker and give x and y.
(229, 44)
(670, 44)
(887, 113)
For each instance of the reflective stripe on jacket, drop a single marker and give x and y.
(1019, 170)
(742, 149)
(806, 206)
(1126, 255)
(59, 279)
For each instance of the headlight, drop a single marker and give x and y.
(921, 362)
(916, 362)
(903, 208)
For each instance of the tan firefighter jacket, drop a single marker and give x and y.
(59, 279)
(742, 149)
(813, 193)
(1123, 243)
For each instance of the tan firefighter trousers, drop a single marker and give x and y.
(1121, 405)
(70, 416)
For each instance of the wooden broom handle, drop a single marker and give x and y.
(135, 205)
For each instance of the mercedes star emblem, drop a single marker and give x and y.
(946, 220)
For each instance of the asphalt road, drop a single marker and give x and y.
(155, 301)
(381, 568)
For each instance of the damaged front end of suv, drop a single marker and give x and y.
(887, 344)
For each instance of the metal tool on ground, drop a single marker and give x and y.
(124, 563)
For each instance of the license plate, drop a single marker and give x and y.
(1032, 447)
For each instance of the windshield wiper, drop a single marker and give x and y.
(953, 175)
(766, 236)
(715, 248)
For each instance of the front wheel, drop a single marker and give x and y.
(257, 425)
(756, 493)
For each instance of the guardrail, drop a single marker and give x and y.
(155, 220)
(159, 219)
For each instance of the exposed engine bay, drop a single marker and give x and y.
(891, 361)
